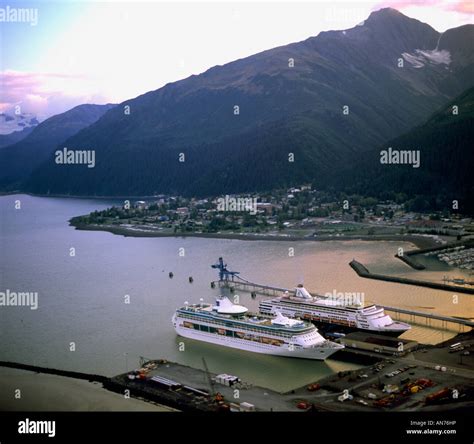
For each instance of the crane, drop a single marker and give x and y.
(213, 395)
(209, 379)
(224, 273)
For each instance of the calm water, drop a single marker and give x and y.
(81, 298)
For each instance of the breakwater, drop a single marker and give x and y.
(362, 271)
(55, 371)
(408, 258)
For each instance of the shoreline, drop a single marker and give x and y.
(421, 242)
(84, 395)
(43, 392)
(72, 196)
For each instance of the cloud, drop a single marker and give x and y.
(440, 14)
(149, 46)
(461, 6)
(43, 93)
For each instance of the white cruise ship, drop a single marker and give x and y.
(231, 325)
(328, 312)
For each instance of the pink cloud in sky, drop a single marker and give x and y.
(43, 94)
(142, 59)
(461, 6)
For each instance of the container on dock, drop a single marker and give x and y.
(165, 383)
(228, 380)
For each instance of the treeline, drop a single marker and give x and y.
(285, 154)
(444, 179)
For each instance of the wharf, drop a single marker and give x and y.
(267, 290)
(190, 389)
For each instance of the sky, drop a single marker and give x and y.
(70, 52)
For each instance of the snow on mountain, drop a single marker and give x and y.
(422, 57)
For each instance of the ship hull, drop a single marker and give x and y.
(314, 353)
(331, 327)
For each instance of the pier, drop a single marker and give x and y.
(429, 316)
(193, 389)
(237, 283)
(251, 287)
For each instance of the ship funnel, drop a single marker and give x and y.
(302, 293)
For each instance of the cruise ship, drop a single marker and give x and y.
(232, 326)
(333, 314)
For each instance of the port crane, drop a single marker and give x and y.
(209, 379)
(212, 392)
(224, 273)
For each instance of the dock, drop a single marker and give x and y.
(197, 390)
(429, 316)
(238, 283)
(250, 287)
(191, 389)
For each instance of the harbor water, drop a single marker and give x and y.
(105, 300)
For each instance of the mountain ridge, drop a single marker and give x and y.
(21, 158)
(282, 109)
(445, 143)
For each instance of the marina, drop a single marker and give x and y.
(460, 249)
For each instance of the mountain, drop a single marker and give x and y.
(391, 71)
(15, 136)
(21, 158)
(445, 143)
